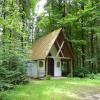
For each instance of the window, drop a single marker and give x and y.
(40, 63)
(58, 64)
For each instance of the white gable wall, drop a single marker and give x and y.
(57, 70)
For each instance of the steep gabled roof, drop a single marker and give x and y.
(42, 46)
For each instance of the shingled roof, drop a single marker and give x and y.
(42, 46)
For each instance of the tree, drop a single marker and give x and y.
(12, 48)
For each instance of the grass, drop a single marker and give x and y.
(55, 89)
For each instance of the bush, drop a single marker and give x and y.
(94, 76)
(47, 77)
(3, 96)
(91, 76)
(97, 76)
(12, 71)
(81, 72)
(5, 86)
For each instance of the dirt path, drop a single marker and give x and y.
(90, 93)
(90, 96)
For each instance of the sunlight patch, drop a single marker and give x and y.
(59, 93)
(80, 83)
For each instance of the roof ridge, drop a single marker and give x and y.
(46, 34)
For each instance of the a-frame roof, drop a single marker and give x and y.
(42, 46)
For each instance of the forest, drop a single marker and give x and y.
(21, 24)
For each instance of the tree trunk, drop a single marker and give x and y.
(92, 50)
(82, 37)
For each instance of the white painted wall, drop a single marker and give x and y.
(41, 70)
(57, 70)
(32, 69)
(53, 51)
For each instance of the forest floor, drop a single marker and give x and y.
(56, 89)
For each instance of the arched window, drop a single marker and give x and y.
(40, 63)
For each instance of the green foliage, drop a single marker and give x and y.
(47, 77)
(12, 68)
(91, 76)
(28, 7)
(94, 76)
(69, 19)
(81, 72)
(12, 46)
(2, 96)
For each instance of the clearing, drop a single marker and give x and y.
(56, 89)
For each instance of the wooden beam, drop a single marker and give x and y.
(68, 58)
(60, 48)
(46, 65)
(71, 68)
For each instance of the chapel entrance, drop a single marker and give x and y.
(51, 66)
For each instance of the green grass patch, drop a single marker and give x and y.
(54, 89)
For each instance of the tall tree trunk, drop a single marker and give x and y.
(64, 11)
(97, 53)
(82, 37)
(92, 43)
(23, 20)
(92, 50)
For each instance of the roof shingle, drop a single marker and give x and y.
(42, 46)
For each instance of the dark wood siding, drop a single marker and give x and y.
(66, 49)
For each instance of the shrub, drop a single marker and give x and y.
(5, 86)
(91, 76)
(12, 70)
(3, 96)
(94, 76)
(81, 72)
(47, 77)
(97, 76)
